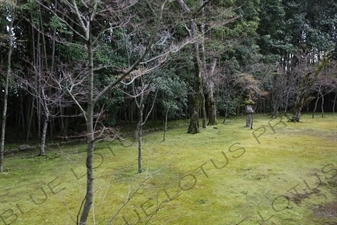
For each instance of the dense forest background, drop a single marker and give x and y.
(161, 59)
(77, 68)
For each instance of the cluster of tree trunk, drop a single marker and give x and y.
(67, 62)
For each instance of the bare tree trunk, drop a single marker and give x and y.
(210, 87)
(90, 133)
(334, 103)
(225, 117)
(141, 120)
(203, 108)
(194, 122)
(322, 104)
(165, 123)
(203, 71)
(65, 126)
(45, 124)
(139, 136)
(8, 75)
(314, 110)
(38, 84)
(212, 110)
(38, 116)
(30, 117)
(46, 66)
(90, 178)
(43, 136)
(31, 108)
(22, 115)
(131, 112)
(286, 103)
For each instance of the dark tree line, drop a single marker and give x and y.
(265, 40)
(74, 68)
(222, 52)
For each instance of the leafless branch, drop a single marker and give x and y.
(130, 195)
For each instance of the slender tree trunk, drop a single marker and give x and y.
(33, 102)
(90, 135)
(5, 101)
(165, 123)
(212, 110)
(204, 70)
(142, 120)
(203, 108)
(334, 103)
(210, 87)
(45, 124)
(139, 136)
(65, 126)
(46, 68)
(61, 119)
(38, 83)
(30, 117)
(43, 136)
(314, 110)
(194, 122)
(225, 117)
(286, 103)
(131, 109)
(322, 104)
(22, 115)
(38, 109)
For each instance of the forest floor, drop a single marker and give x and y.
(280, 173)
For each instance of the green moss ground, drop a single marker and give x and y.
(278, 173)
